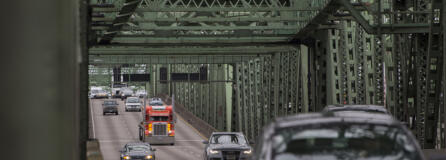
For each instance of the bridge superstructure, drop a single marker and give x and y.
(237, 64)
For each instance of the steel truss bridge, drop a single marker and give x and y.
(268, 58)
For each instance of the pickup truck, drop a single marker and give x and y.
(110, 106)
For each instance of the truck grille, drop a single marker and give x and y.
(160, 129)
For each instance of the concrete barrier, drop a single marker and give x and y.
(201, 126)
(94, 150)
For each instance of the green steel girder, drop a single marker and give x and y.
(189, 50)
(227, 19)
(120, 20)
(171, 59)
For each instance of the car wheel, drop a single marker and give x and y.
(126, 110)
(103, 113)
(117, 113)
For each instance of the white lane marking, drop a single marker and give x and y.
(92, 119)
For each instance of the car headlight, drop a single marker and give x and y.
(149, 157)
(126, 157)
(213, 151)
(247, 152)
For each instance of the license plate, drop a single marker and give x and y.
(230, 157)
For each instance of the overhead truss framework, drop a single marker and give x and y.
(179, 21)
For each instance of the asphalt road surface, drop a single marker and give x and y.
(114, 131)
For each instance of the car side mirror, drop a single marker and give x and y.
(153, 149)
(205, 142)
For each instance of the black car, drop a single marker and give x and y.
(348, 135)
(137, 150)
(360, 108)
(227, 146)
(110, 106)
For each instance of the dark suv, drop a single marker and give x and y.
(227, 146)
(137, 150)
(110, 106)
(349, 135)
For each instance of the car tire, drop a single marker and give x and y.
(126, 110)
(103, 113)
(116, 113)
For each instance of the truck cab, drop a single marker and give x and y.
(158, 125)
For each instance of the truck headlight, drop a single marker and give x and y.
(213, 151)
(247, 152)
(149, 157)
(126, 157)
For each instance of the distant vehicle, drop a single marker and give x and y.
(137, 150)
(133, 104)
(141, 93)
(101, 94)
(126, 92)
(158, 124)
(116, 89)
(337, 135)
(227, 145)
(110, 106)
(360, 108)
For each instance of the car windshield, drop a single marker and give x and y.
(343, 142)
(132, 100)
(227, 139)
(109, 102)
(138, 148)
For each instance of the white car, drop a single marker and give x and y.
(133, 104)
(141, 93)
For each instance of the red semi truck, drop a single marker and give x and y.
(158, 125)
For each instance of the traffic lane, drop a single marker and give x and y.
(113, 132)
(188, 144)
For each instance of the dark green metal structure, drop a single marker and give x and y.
(270, 58)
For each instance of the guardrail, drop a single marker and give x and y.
(201, 126)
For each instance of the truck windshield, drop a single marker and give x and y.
(159, 118)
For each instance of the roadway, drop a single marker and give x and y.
(113, 132)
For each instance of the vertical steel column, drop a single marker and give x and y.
(433, 77)
(443, 108)
(304, 74)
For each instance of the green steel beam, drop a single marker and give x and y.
(170, 59)
(198, 40)
(216, 9)
(198, 28)
(228, 50)
(207, 19)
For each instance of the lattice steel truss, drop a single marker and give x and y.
(205, 21)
